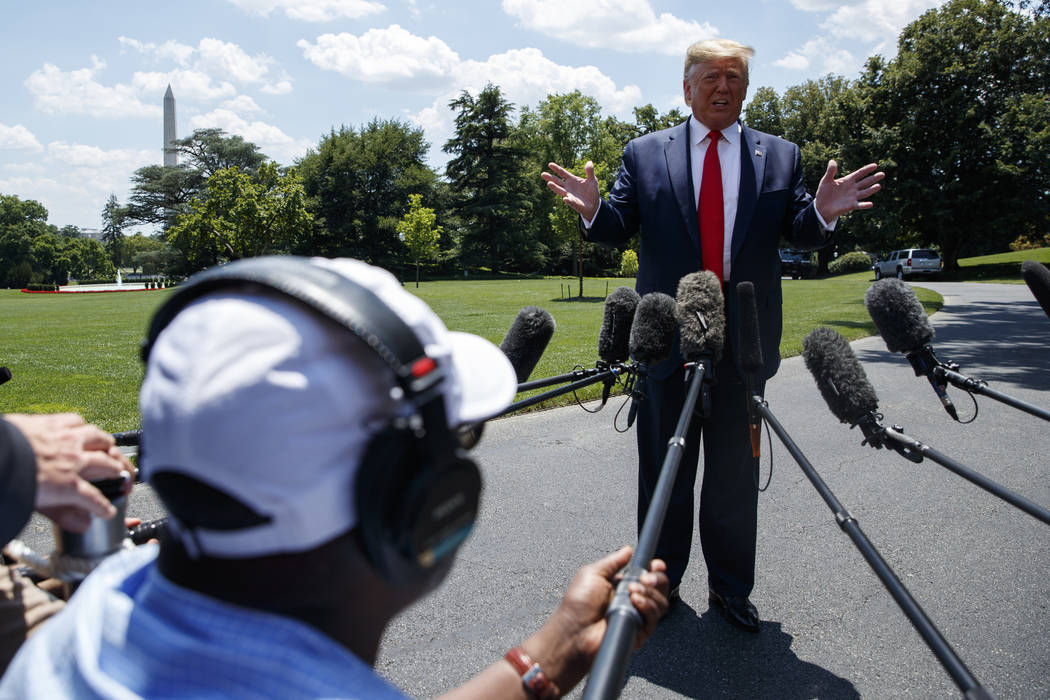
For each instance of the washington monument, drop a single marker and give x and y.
(170, 156)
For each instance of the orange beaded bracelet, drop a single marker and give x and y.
(532, 676)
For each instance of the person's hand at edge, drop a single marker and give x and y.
(70, 452)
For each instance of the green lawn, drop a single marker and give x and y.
(79, 352)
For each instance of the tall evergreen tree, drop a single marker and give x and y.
(113, 230)
(485, 175)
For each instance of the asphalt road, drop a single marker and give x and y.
(560, 491)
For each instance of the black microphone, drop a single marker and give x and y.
(903, 324)
(1036, 276)
(526, 340)
(750, 357)
(841, 379)
(614, 336)
(701, 316)
(652, 336)
(5, 374)
(702, 327)
(849, 395)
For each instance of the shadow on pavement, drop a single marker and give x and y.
(721, 661)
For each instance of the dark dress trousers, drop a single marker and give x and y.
(653, 195)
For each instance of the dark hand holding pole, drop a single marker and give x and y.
(701, 315)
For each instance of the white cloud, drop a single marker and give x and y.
(77, 92)
(242, 104)
(270, 139)
(821, 54)
(391, 55)
(189, 85)
(875, 20)
(230, 60)
(18, 138)
(869, 27)
(281, 87)
(621, 25)
(74, 180)
(172, 50)
(313, 10)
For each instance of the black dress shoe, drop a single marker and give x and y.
(737, 609)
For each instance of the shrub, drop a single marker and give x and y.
(629, 264)
(1022, 242)
(854, 261)
(42, 287)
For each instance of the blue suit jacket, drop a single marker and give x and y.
(653, 194)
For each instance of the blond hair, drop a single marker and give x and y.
(715, 49)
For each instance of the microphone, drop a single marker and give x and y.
(702, 325)
(5, 374)
(903, 324)
(526, 340)
(750, 357)
(652, 335)
(652, 332)
(1036, 276)
(851, 398)
(841, 380)
(614, 336)
(701, 316)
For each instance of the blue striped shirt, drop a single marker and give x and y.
(130, 633)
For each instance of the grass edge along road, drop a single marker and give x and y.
(80, 353)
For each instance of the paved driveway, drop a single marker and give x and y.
(560, 491)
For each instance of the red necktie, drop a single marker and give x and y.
(710, 210)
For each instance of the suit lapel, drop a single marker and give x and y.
(680, 175)
(752, 171)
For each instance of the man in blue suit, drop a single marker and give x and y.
(723, 209)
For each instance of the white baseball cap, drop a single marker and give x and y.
(273, 405)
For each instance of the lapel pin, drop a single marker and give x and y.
(758, 153)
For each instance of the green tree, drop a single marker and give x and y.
(21, 222)
(419, 232)
(238, 216)
(160, 194)
(138, 243)
(963, 109)
(568, 129)
(485, 175)
(113, 230)
(357, 185)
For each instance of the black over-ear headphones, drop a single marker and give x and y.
(416, 491)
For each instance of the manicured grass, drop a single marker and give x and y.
(81, 352)
(75, 352)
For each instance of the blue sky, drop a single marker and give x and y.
(83, 82)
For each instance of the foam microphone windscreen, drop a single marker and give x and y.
(614, 336)
(652, 332)
(701, 315)
(5, 374)
(1037, 277)
(526, 340)
(840, 378)
(750, 342)
(899, 316)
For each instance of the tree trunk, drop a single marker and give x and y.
(579, 263)
(417, 275)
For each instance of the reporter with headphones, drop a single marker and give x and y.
(298, 422)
